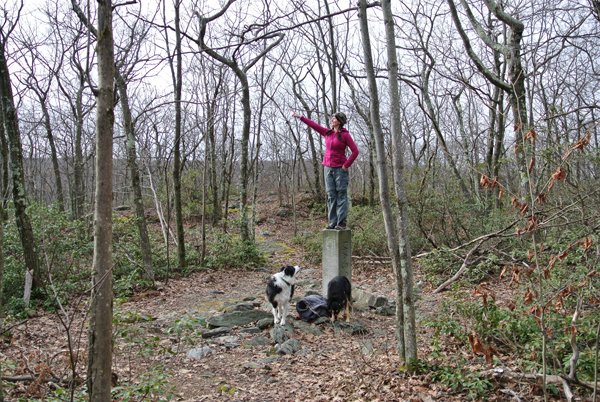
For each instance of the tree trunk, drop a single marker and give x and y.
(384, 191)
(78, 190)
(59, 189)
(245, 234)
(134, 173)
(11, 124)
(404, 278)
(5, 171)
(1, 275)
(177, 145)
(101, 308)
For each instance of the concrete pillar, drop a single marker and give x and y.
(337, 255)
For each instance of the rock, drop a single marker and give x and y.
(214, 333)
(305, 282)
(289, 347)
(265, 323)
(251, 330)
(350, 328)
(271, 221)
(258, 341)
(322, 320)
(249, 298)
(308, 328)
(242, 307)
(367, 348)
(370, 299)
(237, 318)
(228, 339)
(123, 208)
(386, 311)
(267, 233)
(251, 365)
(312, 292)
(278, 334)
(199, 353)
(268, 360)
(283, 212)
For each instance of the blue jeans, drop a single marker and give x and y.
(336, 184)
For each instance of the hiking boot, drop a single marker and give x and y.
(340, 227)
(330, 227)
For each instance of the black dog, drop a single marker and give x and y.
(339, 297)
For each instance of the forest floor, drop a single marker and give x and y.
(154, 331)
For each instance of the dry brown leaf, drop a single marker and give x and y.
(541, 198)
(560, 174)
(489, 352)
(475, 342)
(504, 272)
(528, 298)
(531, 164)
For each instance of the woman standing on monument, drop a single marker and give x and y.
(336, 165)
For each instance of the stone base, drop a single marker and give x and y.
(337, 255)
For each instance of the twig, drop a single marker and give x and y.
(462, 268)
(504, 374)
(28, 378)
(480, 238)
(5, 330)
(596, 366)
(512, 393)
(573, 341)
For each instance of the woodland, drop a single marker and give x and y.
(149, 159)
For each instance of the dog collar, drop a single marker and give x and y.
(286, 282)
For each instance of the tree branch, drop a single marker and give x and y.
(478, 63)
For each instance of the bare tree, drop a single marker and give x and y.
(176, 76)
(382, 170)
(515, 87)
(41, 86)
(128, 126)
(100, 332)
(404, 276)
(11, 124)
(241, 74)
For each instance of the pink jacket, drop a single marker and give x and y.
(335, 150)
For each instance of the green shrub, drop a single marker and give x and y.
(230, 251)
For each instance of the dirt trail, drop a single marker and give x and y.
(155, 331)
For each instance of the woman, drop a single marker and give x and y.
(336, 166)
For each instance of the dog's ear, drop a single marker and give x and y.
(289, 270)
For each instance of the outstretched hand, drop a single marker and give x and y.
(296, 115)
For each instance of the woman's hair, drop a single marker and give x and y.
(342, 119)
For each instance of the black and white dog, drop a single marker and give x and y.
(280, 290)
(339, 297)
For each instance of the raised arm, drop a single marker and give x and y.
(319, 129)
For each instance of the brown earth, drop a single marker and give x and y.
(152, 353)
